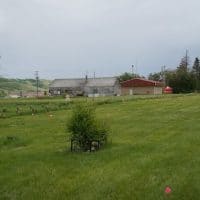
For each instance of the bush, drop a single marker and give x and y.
(2, 93)
(85, 128)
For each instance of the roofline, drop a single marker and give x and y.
(84, 78)
(143, 79)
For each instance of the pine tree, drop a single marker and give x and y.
(196, 73)
(184, 64)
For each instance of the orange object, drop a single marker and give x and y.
(168, 90)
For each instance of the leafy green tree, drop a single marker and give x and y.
(157, 76)
(127, 76)
(170, 76)
(84, 127)
(184, 81)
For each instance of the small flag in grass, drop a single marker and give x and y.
(168, 190)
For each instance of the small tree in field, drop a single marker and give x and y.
(85, 128)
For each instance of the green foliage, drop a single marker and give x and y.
(84, 127)
(184, 82)
(184, 79)
(196, 67)
(155, 76)
(183, 66)
(2, 93)
(196, 74)
(4, 110)
(127, 76)
(180, 80)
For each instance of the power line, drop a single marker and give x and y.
(163, 69)
(37, 80)
(187, 60)
(132, 70)
(0, 63)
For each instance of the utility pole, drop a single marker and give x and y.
(163, 75)
(0, 62)
(37, 80)
(186, 59)
(136, 66)
(132, 70)
(94, 89)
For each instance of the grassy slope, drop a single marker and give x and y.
(9, 85)
(154, 143)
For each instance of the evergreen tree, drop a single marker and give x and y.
(184, 62)
(183, 79)
(196, 74)
(184, 82)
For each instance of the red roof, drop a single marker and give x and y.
(139, 82)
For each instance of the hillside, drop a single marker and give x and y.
(14, 85)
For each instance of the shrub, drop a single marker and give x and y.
(85, 128)
(18, 110)
(4, 110)
(2, 93)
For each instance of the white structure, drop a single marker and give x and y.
(104, 86)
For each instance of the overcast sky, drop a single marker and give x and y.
(67, 38)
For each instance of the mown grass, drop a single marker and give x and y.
(153, 143)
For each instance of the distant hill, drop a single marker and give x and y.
(25, 85)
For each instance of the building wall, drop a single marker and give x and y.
(141, 90)
(101, 91)
(117, 89)
(99, 86)
(158, 90)
(66, 90)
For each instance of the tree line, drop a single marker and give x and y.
(183, 79)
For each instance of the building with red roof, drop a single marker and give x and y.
(141, 86)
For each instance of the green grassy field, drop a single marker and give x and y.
(153, 143)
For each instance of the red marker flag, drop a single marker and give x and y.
(168, 190)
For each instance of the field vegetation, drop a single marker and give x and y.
(26, 106)
(153, 143)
